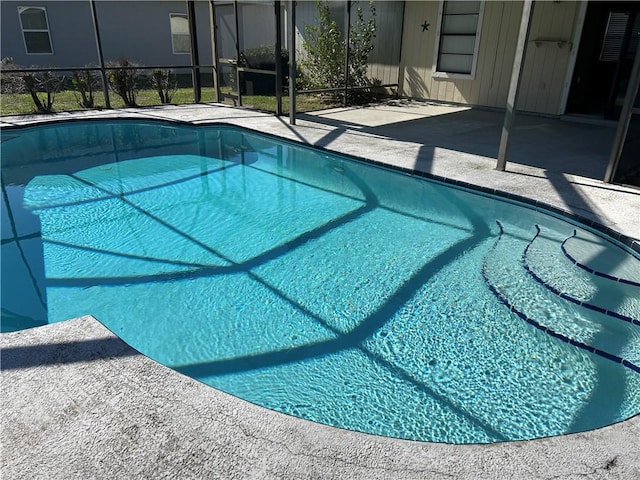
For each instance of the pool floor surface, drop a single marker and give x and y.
(79, 403)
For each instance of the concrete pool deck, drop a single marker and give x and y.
(79, 403)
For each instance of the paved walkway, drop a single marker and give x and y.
(78, 403)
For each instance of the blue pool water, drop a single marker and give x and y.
(318, 286)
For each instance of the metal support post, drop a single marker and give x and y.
(278, 58)
(103, 72)
(291, 16)
(347, 26)
(214, 49)
(237, 26)
(514, 85)
(195, 58)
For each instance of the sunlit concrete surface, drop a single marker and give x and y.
(77, 402)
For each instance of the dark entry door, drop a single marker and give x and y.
(609, 41)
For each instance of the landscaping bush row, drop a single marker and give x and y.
(124, 78)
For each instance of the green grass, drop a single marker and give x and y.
(64, 101)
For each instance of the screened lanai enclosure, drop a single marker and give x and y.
(345, 52)
(286, 57)
(237, 52)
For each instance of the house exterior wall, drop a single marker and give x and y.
(385, 57)
(140, 31)
(546, 62)
(136, 30)
(70, 30)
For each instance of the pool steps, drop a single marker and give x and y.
(505, 299)
(563, 247)
(566, 296)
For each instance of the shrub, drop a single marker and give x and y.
(42, 86)
(323, 66)
(324, 61)
(11, 82)
(84, 83)
(123, 80)
(360, 46)
(165, 83)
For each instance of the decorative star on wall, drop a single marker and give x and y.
(425, 26)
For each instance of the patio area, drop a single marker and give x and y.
(79, 403)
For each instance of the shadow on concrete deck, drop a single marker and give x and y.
(548, 143)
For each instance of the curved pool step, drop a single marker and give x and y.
(595, 271)
(584, 327)
(567, 295)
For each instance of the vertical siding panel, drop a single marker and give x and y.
(426, 40)
(384, 57)
(527, 82)
(555, 20)
(408, 53)
(430, 15)
(415, 51)
(546, 64)
(529, 59)
(476, 89)
(439, 88)
(513, 29)
(468, 92)
(434, 85)
(551, 57)
(476, 84)
(450, 91)
(542, 22)
(443, 85)
(435, 88)
(490, 29)
(500, 65)
(565, 32)
(464, 88)
(458, 94)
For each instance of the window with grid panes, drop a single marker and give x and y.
(459, 27)
(35, 30)
(180, 40)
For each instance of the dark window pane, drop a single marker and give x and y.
(37, 42)
(33, 19)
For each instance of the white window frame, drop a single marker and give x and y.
(469, 76)
(48, 30)
(173, 46)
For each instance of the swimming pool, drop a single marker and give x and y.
(324, 288)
